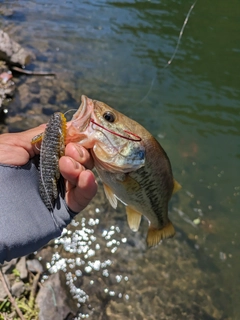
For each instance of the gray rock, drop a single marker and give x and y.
(22, 268)
(34, 266)
(54, 299)
(17, 289)
(7, 267)
(12, 52)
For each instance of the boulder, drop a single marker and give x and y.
(12, 52)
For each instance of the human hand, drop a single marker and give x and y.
(81, 185)
(16, 149)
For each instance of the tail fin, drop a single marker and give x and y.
(154, 235)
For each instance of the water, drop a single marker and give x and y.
(116, 51)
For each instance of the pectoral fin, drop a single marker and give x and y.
(176, 186)
(133, 218)
(110, 196)
(154, 235)
(130, 184)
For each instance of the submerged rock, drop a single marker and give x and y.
(12, 52)
(7, 88)
(55, 300)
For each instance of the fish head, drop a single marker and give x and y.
(110, 135)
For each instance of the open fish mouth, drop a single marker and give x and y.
(81, 119)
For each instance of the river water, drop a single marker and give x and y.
(117, 52)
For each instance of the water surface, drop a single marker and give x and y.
(117, 51)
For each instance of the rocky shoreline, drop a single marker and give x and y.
(11, 55)
(22, 296)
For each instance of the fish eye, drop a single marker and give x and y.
(109, 116)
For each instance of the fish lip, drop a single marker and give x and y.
(82, 118)
(81, 110)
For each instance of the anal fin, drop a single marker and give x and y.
(155, 235)
(110, 196)
(133, 218)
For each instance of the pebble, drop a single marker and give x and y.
(17, 289)
(21, 267)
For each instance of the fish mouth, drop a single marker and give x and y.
(82, 118)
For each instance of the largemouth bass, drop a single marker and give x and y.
(131, 163)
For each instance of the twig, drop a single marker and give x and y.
(33, 73)
(34, 290)
(2, 278)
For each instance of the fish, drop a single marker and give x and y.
(52, 149)
(131, 163)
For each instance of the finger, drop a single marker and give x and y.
(70, 169)
(80, 196)
(80, 154)
(16, 156)
(23, 139)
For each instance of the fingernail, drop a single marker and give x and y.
(77, 165)
(79, 150)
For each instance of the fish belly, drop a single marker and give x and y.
(138, 193)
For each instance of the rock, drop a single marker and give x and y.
(7, 88)
(3, 127)
(3, 292)
(8, 267)
(55, 300)
(12, 52)
(17, 289)
(34, 266)
(22, 268)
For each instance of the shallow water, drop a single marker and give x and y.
(117, 52)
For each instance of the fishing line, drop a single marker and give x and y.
(174, 53)
(180, 35)
(107, 137)
(118, 134)
(69, 111)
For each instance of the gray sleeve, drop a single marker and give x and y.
(25, 223)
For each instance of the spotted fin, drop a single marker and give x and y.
(133, 218)
(176, 186)
(154, 235)
(110, 196)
